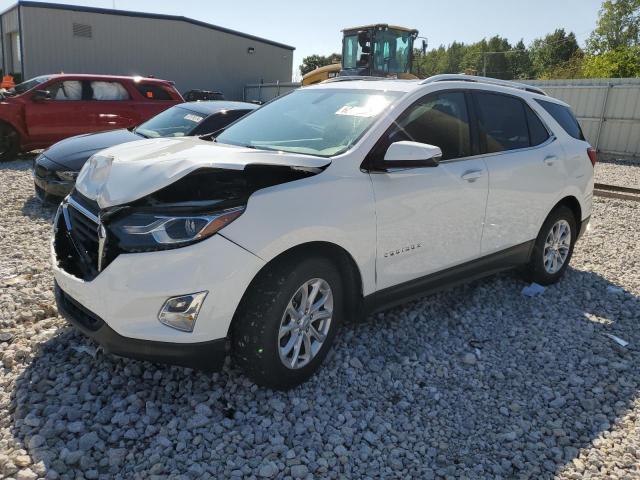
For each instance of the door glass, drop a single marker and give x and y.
(108, 91)
(503, 122)
(67, 90)
(352, 51)
(441, 120)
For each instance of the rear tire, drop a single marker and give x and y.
(9, 142)
(275, 320)
(553, 248)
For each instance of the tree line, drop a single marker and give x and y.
(612, 50)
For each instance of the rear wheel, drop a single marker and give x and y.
(9, 142)
(554, 247)
(286, 323)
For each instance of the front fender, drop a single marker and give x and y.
(322, 208)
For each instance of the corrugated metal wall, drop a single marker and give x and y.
(193, 56)
(608, 110)
(10, 26)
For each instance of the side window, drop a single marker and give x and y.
(151, 91)
(108, 91)
(564, 116)
(502, 121)
(219, 120)
(537, 131)
(67, 90)
(437, 119)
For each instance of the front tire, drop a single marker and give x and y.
(9, 142)
(554, 247)
(286, 323)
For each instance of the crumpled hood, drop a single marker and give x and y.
(128, 172)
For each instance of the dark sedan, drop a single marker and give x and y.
(55, 170)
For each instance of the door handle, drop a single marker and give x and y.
(471, 175)
(549, 160)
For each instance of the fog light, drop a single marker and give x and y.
(181, 312)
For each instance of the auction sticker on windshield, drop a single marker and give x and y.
(193, 118)
(372, 108)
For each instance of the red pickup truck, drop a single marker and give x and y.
(41, 111)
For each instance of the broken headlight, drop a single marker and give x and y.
(148, 231)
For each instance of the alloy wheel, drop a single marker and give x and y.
(305, 323)
(557, 246)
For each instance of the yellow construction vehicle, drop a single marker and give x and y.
(378, 50)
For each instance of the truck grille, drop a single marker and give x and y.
(77, 247)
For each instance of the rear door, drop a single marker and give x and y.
(431, 218)
(111, 106)
(525, 169)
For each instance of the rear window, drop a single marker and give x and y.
(564, 116)
(537, 131)
(152, 91)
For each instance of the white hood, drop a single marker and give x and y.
(133, 170)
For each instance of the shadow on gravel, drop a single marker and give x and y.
(34, 208)
(479, 382)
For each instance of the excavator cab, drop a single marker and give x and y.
(378, 50)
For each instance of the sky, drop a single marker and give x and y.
(314, 26)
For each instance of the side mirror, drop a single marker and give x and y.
(41, 96)
(407, 154)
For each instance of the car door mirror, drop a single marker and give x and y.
(407, 154)
(41, 95)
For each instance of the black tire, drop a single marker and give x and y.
(535, 270)
(9, 142)
(256, 325)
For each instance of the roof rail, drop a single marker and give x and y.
(473, 78)
(351, 78)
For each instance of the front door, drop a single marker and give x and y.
(65, 113)
(431, 218)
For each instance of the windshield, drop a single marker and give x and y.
(313, 121)
(174, 122)
(28, 85)
(391, 51)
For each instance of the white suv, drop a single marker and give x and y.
(335, 200)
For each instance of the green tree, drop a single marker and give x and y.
(521, 62)
(552, 51)
(621, 62)
(312, 62)
(618, 27)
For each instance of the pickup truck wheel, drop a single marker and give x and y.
(9, 142)
(286, 323)
(553, 248)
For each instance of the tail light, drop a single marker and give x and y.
(592, 155)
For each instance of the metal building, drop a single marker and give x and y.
(40, 38)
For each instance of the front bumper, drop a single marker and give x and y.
(208, 356)
(50, 188)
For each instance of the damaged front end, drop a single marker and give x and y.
(87, 238)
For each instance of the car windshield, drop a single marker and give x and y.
(174, 122)
(28, 85)
(322, 122)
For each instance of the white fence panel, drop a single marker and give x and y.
(608, 110)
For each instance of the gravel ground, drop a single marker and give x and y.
(478, 382)
(625, 173)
